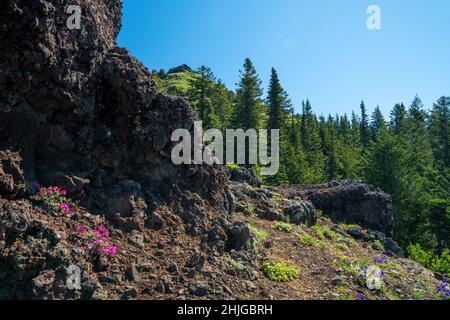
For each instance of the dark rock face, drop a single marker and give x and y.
(79, 112)
(244, 175)
(256, 201)
(301, 212)
(354, 202)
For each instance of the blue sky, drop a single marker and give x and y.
(322, 49)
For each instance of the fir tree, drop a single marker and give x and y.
(248, 98)
(364, 126)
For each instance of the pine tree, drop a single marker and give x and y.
(398, 118)
(279, 105)
(248, 98)
(378, 123)
(364, 126)
(439, 131)
(200, 95)
(356, 130)
(222, 100)
(275, 102)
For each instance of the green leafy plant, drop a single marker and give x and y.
(232, 166)
(259, 234)
(283, 226)
(280, 271)
(377, 245)
(436, 263)
(249, 209)
(319, 232)
(329, 234)
(238, 265)
(307, 240)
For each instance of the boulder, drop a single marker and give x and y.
(354, 202)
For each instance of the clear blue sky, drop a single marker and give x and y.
(322, 49)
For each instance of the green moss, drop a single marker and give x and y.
(280, 271)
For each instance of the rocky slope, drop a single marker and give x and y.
(80, 113)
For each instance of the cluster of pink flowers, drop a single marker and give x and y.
(54, 197)
(98, 240)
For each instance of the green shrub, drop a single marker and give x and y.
(308, 240)
(280, 271)
(238, 265)
(435, 263)
(232, 166)
(329, 234)
(249, 209)
(377, 245)
(283, 226)
(260, 235)
(319, 232)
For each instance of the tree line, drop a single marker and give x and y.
(406, 155)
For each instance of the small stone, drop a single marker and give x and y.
(163, 286)
(130, 293)
(198, 289)
(173, 268)
(133, 273)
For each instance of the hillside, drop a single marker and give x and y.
(177, 81)
(93, 207)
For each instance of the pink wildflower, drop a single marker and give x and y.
(101, 229)
(65, 207)
(63, 192)
(81, 229)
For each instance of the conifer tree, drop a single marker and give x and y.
(440, 131)
(248, 98)
(378, 123)
(398, 118)
(364, 126)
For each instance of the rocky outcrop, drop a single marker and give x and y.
(79, 112)
(352, 202)
(355, 202)
(244, 175)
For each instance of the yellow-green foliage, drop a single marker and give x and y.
(260, 235)
(238, 265)
(319, 232)
(329, 234)
(324, 232)
(249, 209)
(283, 226)
(276, 198)
(439, 264)
(280, 271)
(232, 166)
(342, 246)
(307, 240)
(377, 245)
